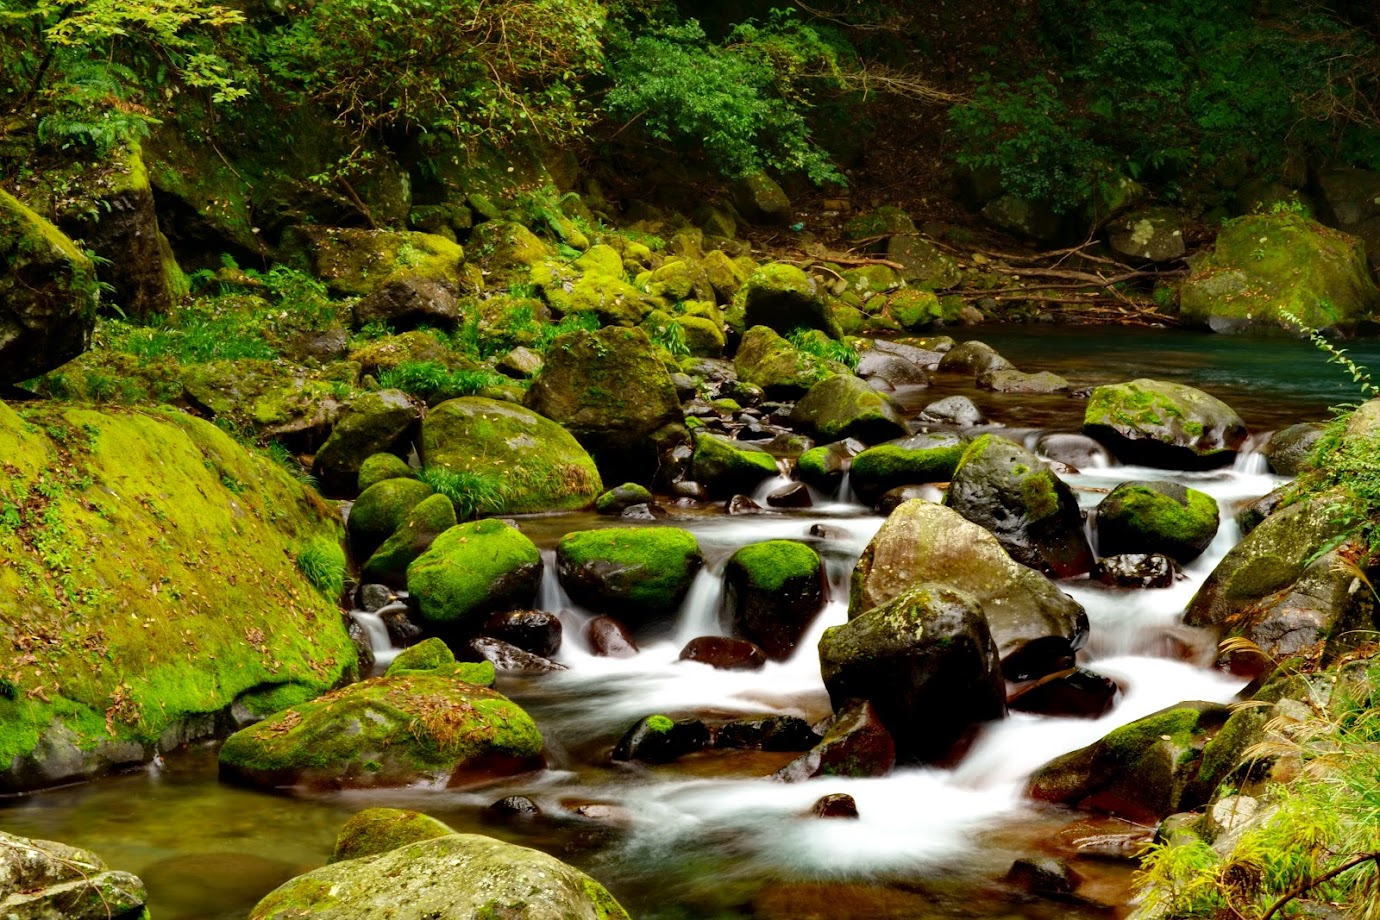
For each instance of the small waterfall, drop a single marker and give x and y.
(846, 494)
(379, 640)
(550, 595)
(699, 612)
(771, 484)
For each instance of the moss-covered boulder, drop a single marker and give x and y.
(1266, 265)
(48, 294)
(380, 510)
(264, 397)
(972, 358)
(916, 309)
(767, 360)
(1164, 424)
(824, 467)
(637, 574)
(611, 391)
(1290, 587)
(1036, 626)
(372, 423)
(727, 467)
(785, 298)
(1003, 487)
(537, 464)
(845, 406)
(430, 518)
(621, 498)
(471, 571)
(925, 660)
(409, 299)
(359, 262)
(760, 199)
(613, 301)
(378, 467)
(387, 731)
(776, 589)
(154, 540)
(378, 830)
(1156, 517)
(926, 457)
(45, 879)
(922, 263)
(1143, 772)
(1010, 380)
(455, 877)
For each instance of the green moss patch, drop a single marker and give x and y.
(473, 570)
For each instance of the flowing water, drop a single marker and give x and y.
(708, 837)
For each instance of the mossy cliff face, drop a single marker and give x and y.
(1267, 264)
(396, 730)
(47, 294)
(541, 466)
(455, 877)
(149, 581)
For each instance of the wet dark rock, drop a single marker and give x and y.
(724, 653)
(894, 370)
(689, 489)
(835, 805)
(972, 358)
(409, 301)
(753, 431)
(397, 619)
(775, 590)
(894, 498)
(364, 649)
(927, 662)
(1076, 450)
(513, 807)
(659, 739)
(535, 631)
(509, 659)
(857, 744)
(647, 512)
(1076, 692)
(1288, 450)
(1043, 875)
(1005, 488)
(1135, 570)
(1255, 512)
(955, 410)
(1010, 380)
(609, 638)
(775, 733)
(1156, 517)
(742, 504)
(795, 495)
(921, 357)
(374, 597)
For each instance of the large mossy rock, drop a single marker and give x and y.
(427, 520)
(637, 574)
(767, 360)
(925, 660)
(776, 589)
(728, 467)
(1156, 517)
(1003, 487)
(845, 406)
(1036, 626)
(1143, 771)
(153, 540)
(372, 423)
(360, 262)
(785, 298)
(538, 464)
(378, 830)
(1164, 424)
(454, 877)
(398, 730)
(471, 571)
(380, 510)
(1290, 586)
(46, 880)
(1266, 265)
(930, 456)
(48, 294)
(611, 391)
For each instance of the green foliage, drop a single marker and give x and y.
(816, 343)
(671, 336)
(575, 322)
(433, 382)
(740, 105)
(473, 494)
(323, 562)
(1359, 374)
(469, 68)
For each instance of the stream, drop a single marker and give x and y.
(707, 837)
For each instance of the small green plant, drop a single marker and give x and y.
(433, 382)
(814, 342)
(322, 561)
(473, 494)
(573, 322)
(671, 336)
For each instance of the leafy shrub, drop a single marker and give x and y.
(322, 561)
(740, 105)
(434, 382)
(472, 494)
